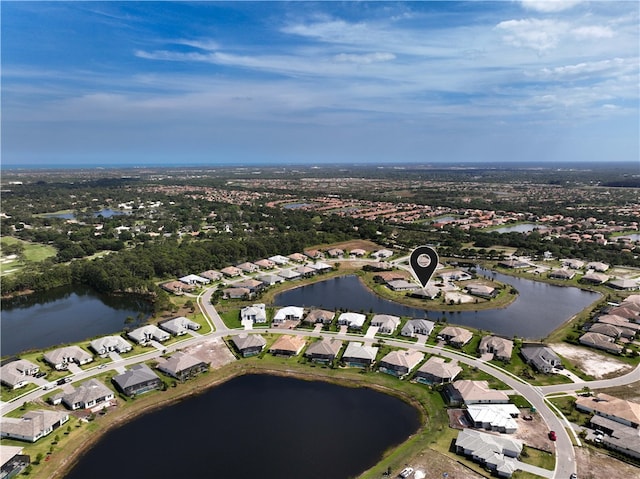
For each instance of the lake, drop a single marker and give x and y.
(537, 311)
(519, 228)
(62, 315)
(105, 213)
(256, 426)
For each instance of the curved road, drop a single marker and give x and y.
(565, 456)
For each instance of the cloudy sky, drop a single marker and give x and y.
(100, 83)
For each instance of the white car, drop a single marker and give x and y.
(406, 472)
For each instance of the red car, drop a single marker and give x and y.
(552, 435)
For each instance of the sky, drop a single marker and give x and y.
(218, 83)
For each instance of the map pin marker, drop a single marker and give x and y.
(423, 261)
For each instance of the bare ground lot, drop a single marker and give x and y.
(594, 465)
(430, 463)
(591, 362)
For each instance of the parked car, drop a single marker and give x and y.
(552, 435)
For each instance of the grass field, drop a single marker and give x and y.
(33, 253)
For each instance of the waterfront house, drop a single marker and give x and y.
(542, 358)
(178, 287)
(456, 336)
(358, 355)
(353, 320)
(148, 333)
(305, 271)
(182, 366)
(323, 351)
(138, 379)
(401, 285)
(270, 279)
(321, 266)
(18, 373)
(248, 344)
(288, 313)
(437, 371)
(33, 425)
(414, 327)
(600, 341)
(564, 274)
(255, 313)
(481, 290)
(400, 363)
(386, 323)
(289, 274)
(320, 316)
(501, 348)
(61, 358)
(595, 278)
(287, 345)
(253, 285)
(464, 391)
(237, 293)
(179, 326)
(106, 344)
(88, 395)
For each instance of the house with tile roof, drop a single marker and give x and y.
(288, 345)
(248, 344)
(18, 373)
(619, 410)
(496, 453)
(600, 341)
(320, 316)
(386, 323)
(358, 355)
(437, 371)
(465, 391)
(61, 358)
(501, 348)
(182, 366)
(87, 395)
(456, 336)
(353, 320)
(323, 351)
(33, 425)
(288, 313)
(138, 379)
(543, 358)
(401, 362)
(256, 313)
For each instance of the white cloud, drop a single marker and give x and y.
(366, 58)
(593, 31)
(549, 6)
(539, 35)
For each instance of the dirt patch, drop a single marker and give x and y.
(214, 352)
(435, 464)
(629, 392)
(595, 465)
(533, 433)
(591, 362)
(458, 298)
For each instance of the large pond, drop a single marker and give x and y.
(105, 213)
(519, 228)
(539, 308)
(64, 315)
(256, 426)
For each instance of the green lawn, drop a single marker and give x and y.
(32, 253)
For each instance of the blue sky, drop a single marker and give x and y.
(99, 83)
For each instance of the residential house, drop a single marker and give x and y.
(320, 316)
(353, 320)
(148, 333)
(256, 313)
(382, 254)
(437, 371)
(182, 366)
(297, 257)
(323, 351)
(600, 341)
(606, 329)
(455, 336)
(288, 313)
(178, 287)
(279, 260)
(501, 348)
(598, 266)
(619, 410)
(265, 264)
(231, 271)
(12, 461)
(624, 284)
(18, 373)
(138, 379)
(212, 275)
(619, 321)
(179, 326)
(562, 274)
(358, 355)
(386, 323)
(455, 275)
(491, 451)
(388, 276)
(237, 293)
(33, 425)
(253, 285)
(400, 363)
(313, 254)
(106, 344)
(248, 267)
(513, 264)
(595, 278)
(335, 253)
(401, 285)
(88, 395)
(306, 271)
(573, 263)
(543, 358)
(321, 266)
(270, 279)
(289, 274)
(414, 327)
(358, 252)
(249, 344)
(494, 417)
(428, 292)
(482, 290)
(287, 345)
(464, 391)
(194, 279)
(61, 358)
(617, 436)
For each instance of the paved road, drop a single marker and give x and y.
(565, 456)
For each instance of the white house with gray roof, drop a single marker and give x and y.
(107, 344)
(386, 323)
(417, 326)
(358, 355)
(543, 358)
(288, 313)
(61, 358)
(148, 333)
(256, 313)
(353, 320)
(17, 374)
(86, 396)
(497, 453)
(32, 425)
(179, 326)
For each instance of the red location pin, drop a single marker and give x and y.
(423, 261)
